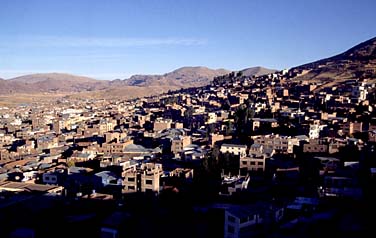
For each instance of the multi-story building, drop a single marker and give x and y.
(283, 144)
(240, 150)
(114, 136)
(242, 221)
(144, 178)
(256, 158)
(258, 123)
(47, 141)
(58, 125)
(335, 145)
(359, 92)
(254, 163)
(161, 124)
(111, 148)
(350, 128)
(179, 142)
(315, 146)
(314, 130)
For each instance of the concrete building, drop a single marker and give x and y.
(256, 158)
(162, 124)
(315, 146)
(242, 221)
(47, 142)
(111, 148)
(283, 144)
(350, 128)
(258, 123)
(114, 136)
(314, 131)
(253, 163)
(179, 142)
(372, 136)
(212, 118)
(240, 150)
(359, 93)
(144, 178)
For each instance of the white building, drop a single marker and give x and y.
(240, 150)
(359, 93)
(212, 118)
(314, 131)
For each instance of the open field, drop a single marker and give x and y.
(121, 93)
(12, 100)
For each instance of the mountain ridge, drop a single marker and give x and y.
(63, 82)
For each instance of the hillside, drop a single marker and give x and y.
(35, 78)
(257, 71)
(182, 77)
(50, 82)
(357, 62)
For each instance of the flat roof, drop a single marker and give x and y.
(30, 187)
(234, 145)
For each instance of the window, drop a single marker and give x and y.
(230, 229)
(131, 179)
(131, 188)
(244, 162)
(253, 163)
(231, 219)
(148, 181)
(260, 163)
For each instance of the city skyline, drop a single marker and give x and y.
(116, 39)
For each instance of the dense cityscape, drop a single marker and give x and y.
(199, 118)
(263, 156)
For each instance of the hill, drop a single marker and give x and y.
(182, 77)
(58, 82)
(257, 71)
(50, 82)
(358, 62)
(35, 78)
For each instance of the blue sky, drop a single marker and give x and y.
(114, 39)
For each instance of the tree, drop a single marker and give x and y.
(229, 163)
(243, 117)
(239, 74)
(226, 105)
(210, 129)
(70, 163)
(229, 128)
